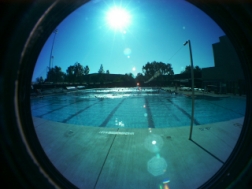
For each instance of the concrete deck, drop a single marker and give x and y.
(196, 93)
(95, 157)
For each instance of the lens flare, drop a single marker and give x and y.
(157, 166)
(166, 181)
(118, 18)
(127, 51)
(153, 143)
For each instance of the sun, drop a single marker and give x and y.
(118, 18)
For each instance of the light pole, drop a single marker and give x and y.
(52, 61)
(51, 54)
(192, 78)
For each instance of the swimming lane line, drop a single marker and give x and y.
(149, 114)
(105, 122)
(75, 114)
(184, 112)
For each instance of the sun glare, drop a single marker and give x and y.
(118, 18)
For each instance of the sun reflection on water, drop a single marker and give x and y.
(119, 123)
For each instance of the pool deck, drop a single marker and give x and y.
(196, 93)
(112, 158)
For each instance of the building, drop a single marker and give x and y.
(226, 76)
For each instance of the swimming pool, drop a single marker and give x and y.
(134, 108)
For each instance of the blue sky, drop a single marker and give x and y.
(157, 31)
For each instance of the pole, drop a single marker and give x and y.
(50, 61)
(192, 78)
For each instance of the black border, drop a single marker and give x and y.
(33, 22)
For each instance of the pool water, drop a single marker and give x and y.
(134, 108)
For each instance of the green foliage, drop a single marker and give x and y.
(140, 77)
(128, 77)
(76, 72)
(187, 70)
(39, 80)
(70, 76)
(55, 74)
(151, 68)
(86, 70)
(101, 70)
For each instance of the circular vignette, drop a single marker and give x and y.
(25, 27)
(235, 20)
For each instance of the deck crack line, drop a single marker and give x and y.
(105, 122)
(105, 160)
(208, 152)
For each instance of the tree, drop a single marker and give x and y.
(169, 69)
(197, 69)
(151, 68)
(129, 77)
(70, 74)
(86, 70)
(107, 72)
(101, 70)
(140, 77)
(76, 72)
(39, 80)
(148, 69)
(187, 70)
(55, 74)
